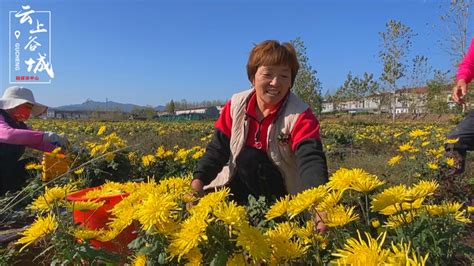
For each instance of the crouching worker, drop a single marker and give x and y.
(16, 106)
(268, 136)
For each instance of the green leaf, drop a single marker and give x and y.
(219, 259)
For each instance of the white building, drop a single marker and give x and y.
(408, 100)
(207, 112)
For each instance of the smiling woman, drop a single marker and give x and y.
(267, 135)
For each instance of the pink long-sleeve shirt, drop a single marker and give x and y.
(27, 137)
(466, 68)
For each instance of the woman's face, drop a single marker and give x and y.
(22, 112)
(271, 83)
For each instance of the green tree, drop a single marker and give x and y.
(396, 43)
(307, 86)
(420, 71)
(357, 88)
(363, 87)
(436, 96)
(456, 27)
(149, 112)
(170, 107)
(343, 93)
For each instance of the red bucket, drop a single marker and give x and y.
(98, 218)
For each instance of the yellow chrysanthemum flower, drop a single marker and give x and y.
(182, 155)
(176, 186)
(79, 171)
(283, 248)
(284, 251)
(394, 160)
(101, 130)
(436, 153)
(341, 179)
(139, 260)
(400, 255)
(40, 228)
(132, 156)
(253, 242)
(191, 233)
(360, 252)
(331, 200)
(449, 208)
(282, 231)
(401, 218)
(389, 197)
(237, 259)
(305, 200)
(364, 182)
(308, 235)
(55, 195)
(340, 216)
(209, 201)
(231, 213)
(86, 234)
(432, 166)
(405, 147)
(108, 235)
(470, 209)
(85, 205)
(452, 141)
(375, 223)
(194, 257)
(103, 192)
(198, 154)
(416, 133)
(147, 160)
(109, 156)
(450, 162)
(162, 153)
(422, 190)
(278, 209)
(399, 207)
(157, 209)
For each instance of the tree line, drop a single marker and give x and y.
(397, 65)
(173, 106)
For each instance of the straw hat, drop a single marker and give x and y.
(15, 96)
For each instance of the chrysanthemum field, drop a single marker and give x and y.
(390, 201)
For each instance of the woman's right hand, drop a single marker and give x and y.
(459, 91)
(56, 139)
(197, 185)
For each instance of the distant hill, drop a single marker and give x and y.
(90, 105)
(160, 108)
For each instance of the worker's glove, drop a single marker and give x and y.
(59, 140)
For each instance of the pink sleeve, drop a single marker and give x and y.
(27, 137)
(466, 68)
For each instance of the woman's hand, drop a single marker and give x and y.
(320, 226)
(459, 91)
(197, 186)
(56, 139)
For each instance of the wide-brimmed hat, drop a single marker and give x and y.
(15, 96)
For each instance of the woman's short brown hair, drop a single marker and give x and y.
(271, 53)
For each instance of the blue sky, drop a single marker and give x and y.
(149, 52)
